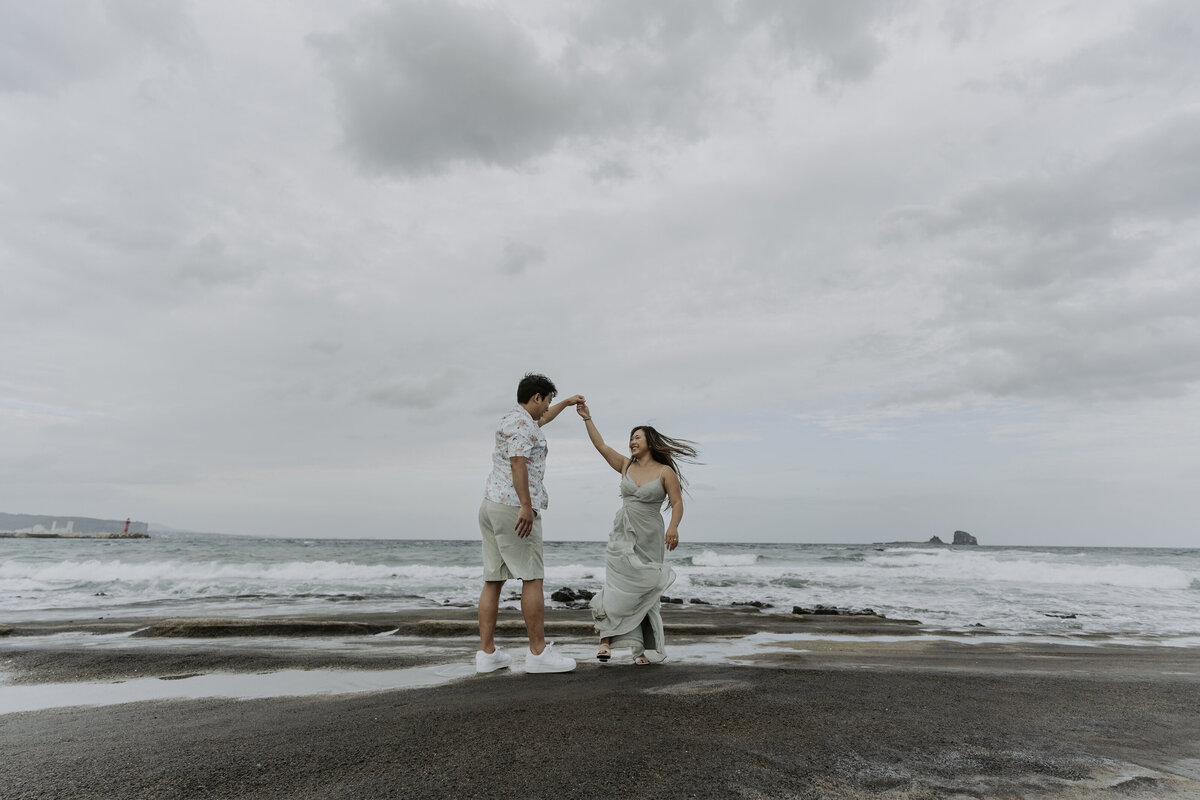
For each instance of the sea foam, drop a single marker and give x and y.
(710, 558)
(986, 566)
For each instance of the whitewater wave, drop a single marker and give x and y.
(973, 567)
(1128, 591)
(176, 578)
(710, 558)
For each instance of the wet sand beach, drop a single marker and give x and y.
(808, 708)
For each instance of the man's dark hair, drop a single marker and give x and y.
(533, 384)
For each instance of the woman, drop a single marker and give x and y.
(626, 610)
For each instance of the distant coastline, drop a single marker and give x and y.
(45, 526)
(73, 535)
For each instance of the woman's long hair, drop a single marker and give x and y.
(666, 450)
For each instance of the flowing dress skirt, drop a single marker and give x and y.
(627, 609)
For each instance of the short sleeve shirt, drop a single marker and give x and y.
(518, 435)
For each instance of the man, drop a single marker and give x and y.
(511, 525)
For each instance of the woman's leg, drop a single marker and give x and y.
(605, 651)
(638, 643)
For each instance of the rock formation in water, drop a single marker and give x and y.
(962, 537)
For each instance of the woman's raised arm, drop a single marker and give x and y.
(614, 459)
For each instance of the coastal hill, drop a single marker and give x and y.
(47, 524)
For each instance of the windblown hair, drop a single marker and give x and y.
(532, 384)
(666, 450)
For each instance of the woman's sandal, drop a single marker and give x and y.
(604, 653)
(641, 661)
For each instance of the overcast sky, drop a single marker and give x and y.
(899, 268)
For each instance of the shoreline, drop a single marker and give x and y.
(749, 705)
(108, 648)
(461, 620)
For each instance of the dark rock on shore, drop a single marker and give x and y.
(568, 595)
(962, 537)
(834, 611)
(696, 601)
(678, 601)
(6, 630)
(753, 604)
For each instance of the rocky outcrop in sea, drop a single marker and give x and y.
(962, 537)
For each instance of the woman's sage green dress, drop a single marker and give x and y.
(627, 608)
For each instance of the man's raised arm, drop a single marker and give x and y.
(557, 408)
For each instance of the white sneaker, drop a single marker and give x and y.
(490, 662)
(548, 661)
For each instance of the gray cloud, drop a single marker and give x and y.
(47, 45)
(423, 86)
(1088, 218)
(1153, 50)
(1049, 297)
(963, 22)
(1159, 47)
(209, 263)
(612, 170)
(841, 41)
(517, 256)
(417, 392)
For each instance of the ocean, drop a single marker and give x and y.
(1122, 595)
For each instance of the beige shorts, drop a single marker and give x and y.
(506, 555)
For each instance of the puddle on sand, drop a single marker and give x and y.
(235, 686)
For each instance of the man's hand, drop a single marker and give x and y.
(581, 409)
(553, 411)
(524, 524)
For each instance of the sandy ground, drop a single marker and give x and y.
(841, 714)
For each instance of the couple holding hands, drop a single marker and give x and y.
(626, 610)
